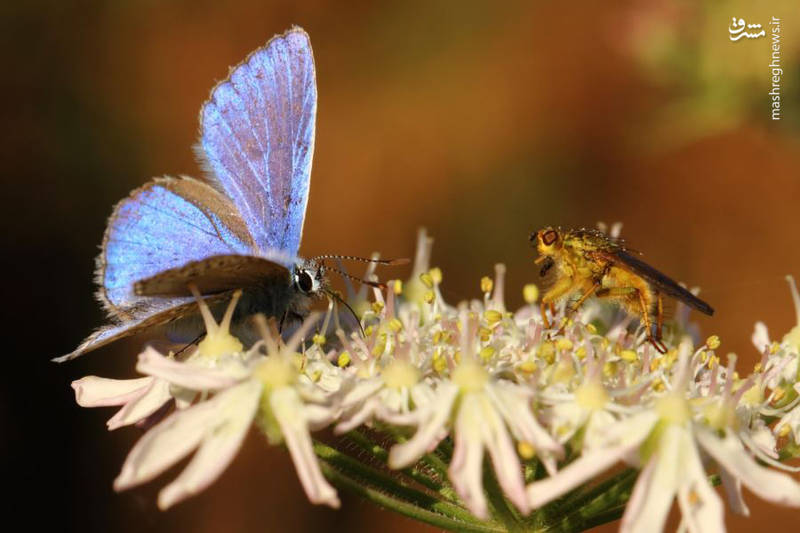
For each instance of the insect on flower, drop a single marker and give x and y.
(590, 263)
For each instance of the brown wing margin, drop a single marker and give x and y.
(213, 274)
(661, 281)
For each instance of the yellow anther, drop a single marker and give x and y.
(547, 351)
(395, 325)
(426, 280)
(610, 369)
(774, 347)
(592, 329)
(437, 337)
(777, 395)
(713, 342)
(397, 287)
(487, 353)
(377, 307)
(319, 339)
(784, 430)
(564, 344)
(629, 356)
(315, 377)
(486, 284)
(658, 385)
(530, 293)
(527, 367)
(757, 368)
(380, 346)
(581, 352)
(457, 357)
(343, 360)
(492, 317)
(439, 362)
(429, 297)
(654, 364)
(526, 450)
(436, 275)
(368, 331)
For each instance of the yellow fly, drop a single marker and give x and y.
(589, 262)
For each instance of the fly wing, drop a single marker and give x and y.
(257, 138)
(661, 281)
(216, 274)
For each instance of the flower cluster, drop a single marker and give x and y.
(555, 413)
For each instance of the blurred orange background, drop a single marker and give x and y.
(480, 121)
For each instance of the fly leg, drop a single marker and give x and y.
(562, 287)
(659, 322)
(655, 341)
(573, 309)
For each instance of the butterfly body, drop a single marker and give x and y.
(241, 228)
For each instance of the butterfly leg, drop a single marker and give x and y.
(193, 343)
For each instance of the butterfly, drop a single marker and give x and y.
(241, 228)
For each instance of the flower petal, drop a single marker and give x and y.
(93, 391)
(576, 473)
(288, 411)
(701, 507)
(153, 398)
(466, 466)
(760, 337)
(655, 491)
(219, 447)
(506, 464)
(190, 376)
(430, 420)
(167, 443)
(769, 485)
(733, 488)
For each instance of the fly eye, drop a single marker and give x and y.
(549, 237)
(533, 237)
(304, 281)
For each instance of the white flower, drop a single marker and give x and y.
(483, 410)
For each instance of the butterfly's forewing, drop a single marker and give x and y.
(216, 274)
(163, 225)
(257, 138)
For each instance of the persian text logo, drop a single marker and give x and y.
(775, 68)
(737, 27)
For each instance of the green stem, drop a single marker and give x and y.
(499, 506)
(435, 483)
(387, 492)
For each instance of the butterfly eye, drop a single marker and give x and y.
(304, 281)
(549, 237)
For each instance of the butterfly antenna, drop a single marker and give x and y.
(376, 284)
(392, 262)
(340, 300)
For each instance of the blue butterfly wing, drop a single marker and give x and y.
(257, 139)
(162, 225)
